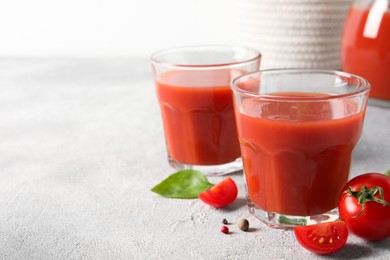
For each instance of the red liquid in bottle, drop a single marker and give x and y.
(366, 48)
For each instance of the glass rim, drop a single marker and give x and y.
(256, 55)
(364, 86)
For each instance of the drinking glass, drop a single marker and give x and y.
(297, 129)
(193, 90)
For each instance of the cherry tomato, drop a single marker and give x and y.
(324, 238)
(369, 219)
(221, 194)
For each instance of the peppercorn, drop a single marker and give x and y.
(225, 229)
(224, 221)
(243, 224)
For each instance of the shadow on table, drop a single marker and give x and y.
(237, 204)
(355, 251)
(352, 251)
(383, 244)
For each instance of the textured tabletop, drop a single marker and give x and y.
(81, 144)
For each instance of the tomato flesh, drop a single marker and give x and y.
(221, 194)
(324, 238)
(373, 223)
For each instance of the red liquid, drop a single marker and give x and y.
(198, 116)
(365, 56)
(297, 157)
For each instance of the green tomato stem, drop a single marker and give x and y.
(365, 195)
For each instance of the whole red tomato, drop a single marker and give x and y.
(364, 206)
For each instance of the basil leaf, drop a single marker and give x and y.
(184, 184)
(387, 173)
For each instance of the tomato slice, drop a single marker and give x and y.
(221, 194)
(324, 238)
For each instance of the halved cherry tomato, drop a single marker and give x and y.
(364, 205)
(221, 194)
(324, 238)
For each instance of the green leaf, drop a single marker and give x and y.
(387, 173)
(184, 184)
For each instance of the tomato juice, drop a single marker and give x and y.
(297, 154)
(198, 116)
(366, 49)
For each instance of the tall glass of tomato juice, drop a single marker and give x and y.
(297, 130)
(196, 103)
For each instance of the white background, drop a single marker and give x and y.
(109, 28)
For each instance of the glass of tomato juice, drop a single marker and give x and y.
(196, 102)
(297, 129)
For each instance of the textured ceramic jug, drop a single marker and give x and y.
(293, 33)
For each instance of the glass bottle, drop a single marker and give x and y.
(366, 45)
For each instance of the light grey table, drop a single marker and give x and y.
(81, 144)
